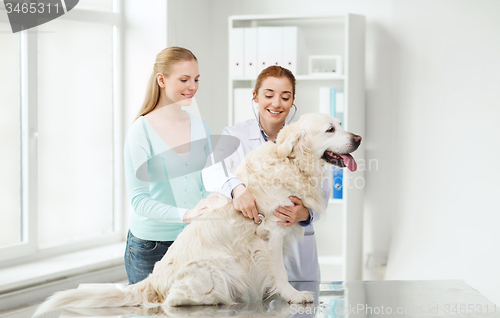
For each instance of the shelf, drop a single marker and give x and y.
(316, 77)
(319, 77)
(317, 35)
(275, 20)
(284, 17)
(336, 201)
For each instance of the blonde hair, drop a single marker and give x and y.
(165, 60)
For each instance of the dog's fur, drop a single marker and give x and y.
(223, 257)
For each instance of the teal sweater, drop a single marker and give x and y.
(161, 185)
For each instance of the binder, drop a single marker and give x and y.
(269, 47)
(236, 52)
(277, 47)
(333, 107)
(290, 38)
(339, 100)
(250, 52)
(324, 100)
(338, 183)
(339, 104)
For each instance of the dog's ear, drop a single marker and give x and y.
(288, 137)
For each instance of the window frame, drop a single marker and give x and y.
(29, 249)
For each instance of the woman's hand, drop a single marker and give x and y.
(198, 210)
(292, 214)
(245, 203)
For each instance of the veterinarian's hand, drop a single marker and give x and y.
(292, 214)
(198, 210)
(245, 203)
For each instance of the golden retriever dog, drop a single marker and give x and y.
(225, 258)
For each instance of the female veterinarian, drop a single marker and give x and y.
(162, 165)
(275, 93)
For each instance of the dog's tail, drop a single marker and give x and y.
(98, 297)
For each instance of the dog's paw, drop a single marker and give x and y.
(301, 298)
(176, 301)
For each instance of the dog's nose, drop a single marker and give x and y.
(357, 139)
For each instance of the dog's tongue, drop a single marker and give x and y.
(349, 162)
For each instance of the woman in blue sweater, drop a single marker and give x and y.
(162, 164)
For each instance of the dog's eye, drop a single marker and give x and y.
(331, 130)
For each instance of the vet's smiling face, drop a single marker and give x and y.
(275, 98)
(330, 141)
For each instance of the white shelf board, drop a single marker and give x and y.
(284, 16)
(316, 77)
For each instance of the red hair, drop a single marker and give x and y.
(275, 71)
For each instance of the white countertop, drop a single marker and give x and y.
(440, 298)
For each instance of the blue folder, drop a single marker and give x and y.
(338, 184)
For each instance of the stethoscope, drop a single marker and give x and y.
(258, 121)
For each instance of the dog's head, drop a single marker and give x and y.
(320, 136)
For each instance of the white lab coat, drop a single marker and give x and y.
(302, 262)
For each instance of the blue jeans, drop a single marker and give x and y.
(141, 256)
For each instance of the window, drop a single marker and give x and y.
(60, 134)
(10, 137)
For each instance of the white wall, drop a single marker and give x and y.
(432, 70)
(190, 26)
(145, 37)
(446, 69)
